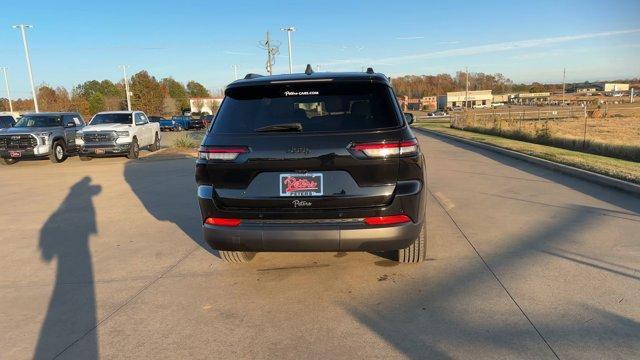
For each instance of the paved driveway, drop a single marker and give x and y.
(105, 259)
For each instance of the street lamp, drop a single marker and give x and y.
(126, 86)
(26, 54)
(289, 30)
(6, 84)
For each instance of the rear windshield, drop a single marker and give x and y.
(316, 106)
(111, 119)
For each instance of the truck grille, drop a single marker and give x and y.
(18, 142)
(99, 137)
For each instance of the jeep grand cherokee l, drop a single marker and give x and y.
(312, 162)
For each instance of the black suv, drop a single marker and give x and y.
(312, 162)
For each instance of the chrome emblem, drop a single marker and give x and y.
(300, 203)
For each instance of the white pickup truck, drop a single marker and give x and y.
(118, 133)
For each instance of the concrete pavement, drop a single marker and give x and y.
(105, 259)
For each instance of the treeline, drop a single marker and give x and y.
(155, 97)
(417, 86)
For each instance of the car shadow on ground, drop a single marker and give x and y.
(169, 196)
(72, 307)
(411, 316)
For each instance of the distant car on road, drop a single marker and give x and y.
(481, 106)
(39, 135)
(497, 104)
(437, 113)
(118, 133)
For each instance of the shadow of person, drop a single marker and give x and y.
(72, 306)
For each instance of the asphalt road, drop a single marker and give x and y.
(105, 259)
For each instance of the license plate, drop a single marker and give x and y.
(99, 151)
(15, 154)
(301, 185)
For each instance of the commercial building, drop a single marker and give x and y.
(465, 99)
(424, 103)
(589, 88)
(530, 98)
(615, 87)
(205, 105)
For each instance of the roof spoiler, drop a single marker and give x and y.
(252, 76)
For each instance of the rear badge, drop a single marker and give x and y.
(301, 184)
(301, 203)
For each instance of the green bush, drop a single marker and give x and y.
(184, 141)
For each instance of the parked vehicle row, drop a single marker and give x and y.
(58, 135)
(178, 123)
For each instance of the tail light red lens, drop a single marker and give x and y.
(227, 153)
(387, 220)
(386, 149)
(223, 222)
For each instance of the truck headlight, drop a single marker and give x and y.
(123, 134)
(44, 137)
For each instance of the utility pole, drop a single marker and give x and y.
(235, 71)
(272, 51)
(126, 86)
(631, 96)
(289, 30)
(466, 94)
(6, 84)
(564, 73)
(26, 54)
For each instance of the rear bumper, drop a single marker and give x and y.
(311, 237)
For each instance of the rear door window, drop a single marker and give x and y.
(318, 106)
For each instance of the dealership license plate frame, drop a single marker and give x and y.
(306, 192)
(99, 151)
(15, 154)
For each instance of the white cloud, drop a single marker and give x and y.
(483, 49)
(410, 38)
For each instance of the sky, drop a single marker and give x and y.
(75, 41)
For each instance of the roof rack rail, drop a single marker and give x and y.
(252, 76)
(370, 70)
(308, 70)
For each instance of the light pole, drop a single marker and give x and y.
(235, 71)
(126, 86)
(6, 84)
(26, 54)
(289, 30)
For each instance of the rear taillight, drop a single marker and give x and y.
(387, 220)
(223, 222)
(386, 149)
(223, 153)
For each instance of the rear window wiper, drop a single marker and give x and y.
(281, 127)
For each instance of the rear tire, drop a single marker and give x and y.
(58, 153)
(417, 251)
(156, 144)
(9, 161)
(134, 150)
(237, 257)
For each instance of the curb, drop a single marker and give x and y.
(566, 169)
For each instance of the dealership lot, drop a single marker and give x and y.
(106, 258)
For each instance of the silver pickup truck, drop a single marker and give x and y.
(41, 135)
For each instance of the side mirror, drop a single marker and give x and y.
(409, 118)
(71, 124)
